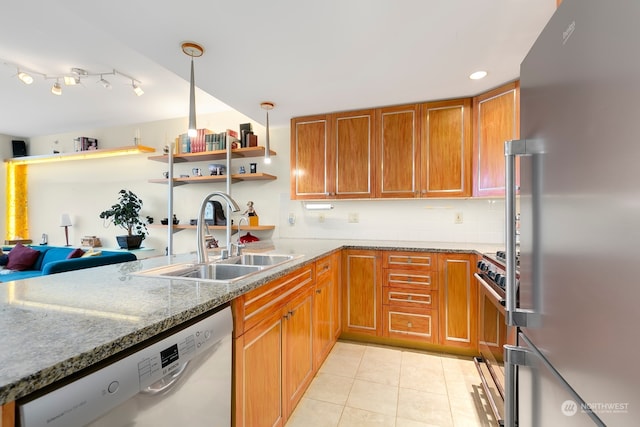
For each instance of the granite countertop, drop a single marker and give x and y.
(56, 325)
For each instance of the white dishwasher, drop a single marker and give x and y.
(183, 379)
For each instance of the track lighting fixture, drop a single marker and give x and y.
(192, 49)
(25, 77)
(104, 82)
(137, 89)
(75, 77)
(56, 89)
(267, 150)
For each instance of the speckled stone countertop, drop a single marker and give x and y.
(56, 325)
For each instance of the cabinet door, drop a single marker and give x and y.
(496, 120)
(398, 162)
(458, 300)
(311, 158)
(446, 148)
(297, 349)
(326, 309)
(354, 156)
(259, 376)
(362, 292)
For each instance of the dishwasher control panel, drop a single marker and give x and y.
(152, 370)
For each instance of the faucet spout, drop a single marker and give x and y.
(201, 244)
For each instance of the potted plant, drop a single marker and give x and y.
(126, 214)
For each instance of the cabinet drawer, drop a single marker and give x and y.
(260, 302)
(410, 324)
(326, 267)
(404, 278)
(410, 260)
(409, 298)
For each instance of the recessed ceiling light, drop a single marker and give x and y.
(478, 75)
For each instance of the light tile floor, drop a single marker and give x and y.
(370, 385)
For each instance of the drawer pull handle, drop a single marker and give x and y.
(409, 297)
(408, 279)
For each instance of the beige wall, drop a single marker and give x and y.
(84, 188)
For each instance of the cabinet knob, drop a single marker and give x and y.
(318, 291)
(409, 325)
(409, 297)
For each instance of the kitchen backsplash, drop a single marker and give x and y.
(450, 220)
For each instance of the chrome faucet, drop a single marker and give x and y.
(239, 245)
(201, 249)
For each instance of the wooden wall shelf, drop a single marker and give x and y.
(216, 178)
(81, 155)
(206, 156)
(234, 227)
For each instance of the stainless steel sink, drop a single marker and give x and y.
(222, 270)
(211, 272)
(270, 260)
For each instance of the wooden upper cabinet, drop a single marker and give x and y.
(446, 148)
(311, 157)
(496, 120)
(398, 152)
(354, 155)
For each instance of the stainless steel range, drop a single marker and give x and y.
(493, 332)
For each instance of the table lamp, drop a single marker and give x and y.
(65, 222)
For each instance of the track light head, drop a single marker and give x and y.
(136, 89)
(25, 77)
(56, 89)
(104, 83)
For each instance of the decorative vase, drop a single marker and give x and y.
(130, 242)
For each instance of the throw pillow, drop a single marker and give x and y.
(76, 253)
(91, 253)
(22, 257)
(4, 259)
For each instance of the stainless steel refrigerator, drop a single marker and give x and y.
(577, 303)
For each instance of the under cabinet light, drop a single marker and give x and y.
(318, 206)
(137, 89)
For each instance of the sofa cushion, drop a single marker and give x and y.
(76, 253)
(55, 254)
(22, 258)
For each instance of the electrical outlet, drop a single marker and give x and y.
(458, 218)
(292, 218)
(321, 217)
(353, 217)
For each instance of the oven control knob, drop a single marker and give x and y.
(502, 282)
(497, 278)
(483, 266)
(492, 275)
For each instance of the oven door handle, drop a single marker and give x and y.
(489, 289)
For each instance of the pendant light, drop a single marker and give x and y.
(193, 50)
(267, 150)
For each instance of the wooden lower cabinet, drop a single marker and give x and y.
(7, 414)
(273, 349)
(410, 307)
(458, 299)
(326, 307)
(297, 347)
(361, 292)
(259, 375)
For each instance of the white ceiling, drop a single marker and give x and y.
(306, 57)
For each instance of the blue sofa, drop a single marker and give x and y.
(53, 260)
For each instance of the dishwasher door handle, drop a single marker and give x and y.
(165, 383)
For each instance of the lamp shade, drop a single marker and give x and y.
(65, 220)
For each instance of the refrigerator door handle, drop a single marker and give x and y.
(529, 355)
(512, 149)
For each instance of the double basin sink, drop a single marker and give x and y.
(222, 270)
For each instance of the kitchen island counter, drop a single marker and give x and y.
(55, 326)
